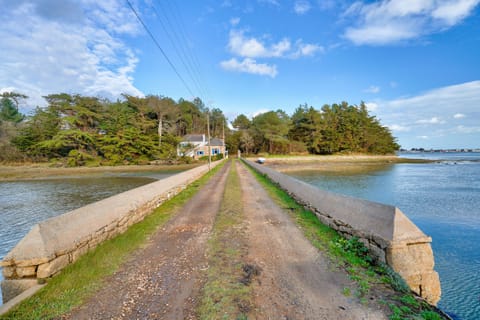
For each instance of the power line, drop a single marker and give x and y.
(159, 47)
(179, 48)
(179, 18)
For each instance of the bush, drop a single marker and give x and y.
(78, 158)
(214, 157)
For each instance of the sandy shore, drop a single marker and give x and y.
(42, 171)
(335, 163)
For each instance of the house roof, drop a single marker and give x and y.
(214, 142)
(194, 138)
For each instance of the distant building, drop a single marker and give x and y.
(196, 146)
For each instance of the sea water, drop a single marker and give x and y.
(24, 203)
(443, 199)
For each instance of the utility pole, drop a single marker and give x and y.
(209, 146)
(223, 138)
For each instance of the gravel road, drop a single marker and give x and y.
(164, 279)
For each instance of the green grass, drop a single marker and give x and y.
(224, 296)
(80, 280)
(352, 256)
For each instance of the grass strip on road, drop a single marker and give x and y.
(225, 295)
(80, 280)
(352, 256)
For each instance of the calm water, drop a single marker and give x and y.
(25, 203)
(443, 199)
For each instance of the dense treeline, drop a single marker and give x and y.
(81, 130)
(337, 128)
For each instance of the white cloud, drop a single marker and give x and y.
(426, 114)
(234, 21)
(271, 2)
(249, 65)
(243, 46)
(451, 12)
(464, 96)
(280, 48)
(50, 52)
(373, 89)
(371, 106)
(433, 120)
(326, 4)
(250, 47)
(7, 89)
(306, 49)
(400, 128)
(301, 7)
(458, 116)
(259, 112)
(390, 21)
(468, 129)
(423, 137)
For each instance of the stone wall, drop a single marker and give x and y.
(388, 233)
(56, 242)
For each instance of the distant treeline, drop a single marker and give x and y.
(81, 130)
(337, 128)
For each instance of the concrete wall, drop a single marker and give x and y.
(391, 237)
(56, 242)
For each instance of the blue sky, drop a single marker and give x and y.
(414, 62)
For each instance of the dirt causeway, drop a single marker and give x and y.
(296, 281)
(164, 279)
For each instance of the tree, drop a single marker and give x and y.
(163, 108)
(217, 122)
(241, 122)
(43, 125)
(15, 97)
(9, 111)
(246, 142)
(341, 128)
(270, 131)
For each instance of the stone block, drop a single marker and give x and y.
(33, 262)
(9, 272)
(377, 253)
(426, 285)
(412, 258)
(50, 268)
(6, 263)
(24, 272)
(78, 253)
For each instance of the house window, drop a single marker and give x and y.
(200, 153)
(215, 151)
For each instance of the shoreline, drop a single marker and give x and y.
(344, 158)
(336, 163)
(44, 171)
(38, 171)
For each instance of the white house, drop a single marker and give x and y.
(196, 146)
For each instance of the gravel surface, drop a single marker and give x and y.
(291, 279)
(296, 281)
(163, 280)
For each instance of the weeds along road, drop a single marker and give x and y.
(196, 265)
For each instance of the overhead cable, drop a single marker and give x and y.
(160, 48)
